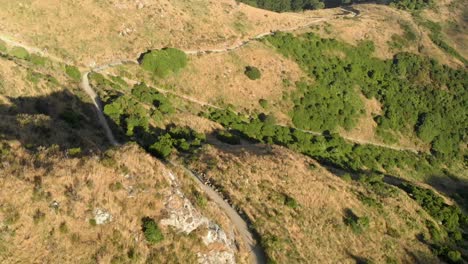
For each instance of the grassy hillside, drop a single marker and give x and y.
(340, 142)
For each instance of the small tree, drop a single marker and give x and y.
(151, 230)
(253, 73)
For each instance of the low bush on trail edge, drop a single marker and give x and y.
(253, 73)
(73, 72)
(19, 53)
(151, 231)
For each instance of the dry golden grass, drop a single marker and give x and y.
(21, 78)
(257, 176)
(79, 186)
(451, 14)
(219, 79)
(89, 31)
(378, 23)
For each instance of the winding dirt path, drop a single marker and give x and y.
(99, 110)
(257, 255)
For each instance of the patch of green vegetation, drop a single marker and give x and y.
(253, 73)
(447, 240)
(290, 202)
(183, 139)
(38, 60)
(3, 47)
(134, 113)
(228, 137)
(357, 224)
(19, 53)
(73, 72)
(332, 100)
(437, 37)
(116, 186)
(413, 5)
(329, 148)
(418, 95)
(73, 152)
(63, 228)
(151, 231)
(263, 103)
(408, 38)
(200, 199)
(163, 62)
(286, 5)
(92, 222)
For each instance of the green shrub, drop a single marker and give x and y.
(163, 62)
(3, 47)
(263, 103)
(116, 186)
(92, 222)
(38, 60)
(454, 256)
(227, 137)
(73, 72)
(20, 53)
(252, 73)
(290, 202)
(74, 151)
(151, 231)
(357, 224)
(63, 228)
(163, 147)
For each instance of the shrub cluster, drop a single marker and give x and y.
(183, 139)
(418, 95)
(412, 5)
(452, 220)
(129, 111)
(135, 113)
(285, 5)
(438, 39)
(327, 148)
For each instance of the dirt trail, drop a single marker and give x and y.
(31, 49)
(257, 255)
(99, 111)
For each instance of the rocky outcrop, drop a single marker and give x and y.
(184, 217)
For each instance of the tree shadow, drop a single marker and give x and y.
(59, 119)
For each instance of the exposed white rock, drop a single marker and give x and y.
(217, 257)
(101, 216)
(183, 215)
(216, 235)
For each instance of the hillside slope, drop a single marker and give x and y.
(196, 131)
